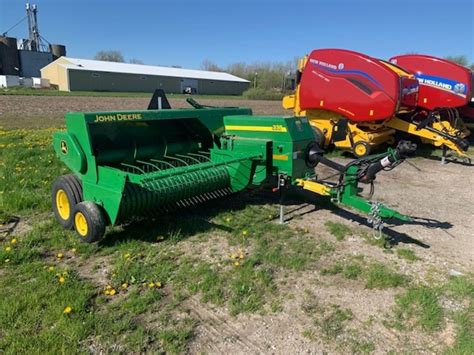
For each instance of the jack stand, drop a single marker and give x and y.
(282, 184)
(282, 215)
(443, 157)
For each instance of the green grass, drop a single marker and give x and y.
(144, 252)
(352, 271)
(53, 92)
(192, 254)
(421, 308)
(462, 289)
(329, 322)
(332, 324)
(337, 229)
(407, 254)
(334, 269)
(27, 167)
(376, 275)
(380, 276)
(420, 304)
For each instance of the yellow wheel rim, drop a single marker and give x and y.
(62, 204)
(360, 149)
(81, 224)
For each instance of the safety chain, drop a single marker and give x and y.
(375, 219)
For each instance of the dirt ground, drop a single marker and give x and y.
(442, 236)
(17, 111)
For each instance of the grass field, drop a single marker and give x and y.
(222, 277)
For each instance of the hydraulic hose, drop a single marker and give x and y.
(396, 156)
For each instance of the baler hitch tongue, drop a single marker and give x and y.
(361, 170)
(379, 212)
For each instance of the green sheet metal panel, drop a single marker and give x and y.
(290, 137)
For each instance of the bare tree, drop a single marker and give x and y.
(459, 59)
(210, 65)
(110, 56)
(135, 61)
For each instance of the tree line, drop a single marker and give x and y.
(265, 76)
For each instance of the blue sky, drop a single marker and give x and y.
(185, 32)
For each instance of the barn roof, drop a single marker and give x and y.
(113, 67)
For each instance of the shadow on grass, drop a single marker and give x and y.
(183, 223)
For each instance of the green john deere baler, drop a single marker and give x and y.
(140, 163)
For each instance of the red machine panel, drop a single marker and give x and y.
(442, 83)
(408, 87)
(357, 86)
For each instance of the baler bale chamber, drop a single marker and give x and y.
(129, 164)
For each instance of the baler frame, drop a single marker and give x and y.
(139, 163)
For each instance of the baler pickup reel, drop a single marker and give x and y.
(141, 163)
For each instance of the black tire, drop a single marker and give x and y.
(66, 193)
(92, 215)
(361, 149)
(76, 184)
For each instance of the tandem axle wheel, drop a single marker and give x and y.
(72, 212)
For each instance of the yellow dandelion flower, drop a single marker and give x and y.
(108, 287)
(62, 280)
(126, 255)
(158, 284)
(241, 256)
(244, 233)
(125, 285)
(8, 249)
(107, 292)
(51, 269)
(236, 263)
(151, 285)
(59, 255)
(112, 292)
(67, 310)
(73, 250)
(13, 241)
